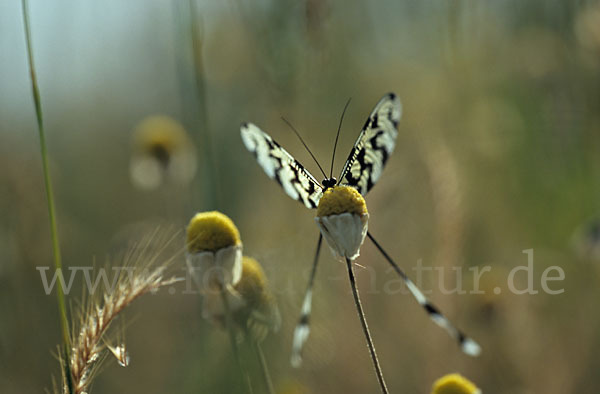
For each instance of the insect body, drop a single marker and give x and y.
(362, 170)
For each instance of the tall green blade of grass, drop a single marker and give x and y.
(49, 194)
(212, 171)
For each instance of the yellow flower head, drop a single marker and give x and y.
(211, 231)
(214, 251)
(341, 199)
(454, 384)
(260, 313)
(253, 285)
(342, 218)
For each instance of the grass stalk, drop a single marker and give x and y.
(47, 180)
(365, 327)
(234, 347)
(262, 361)
(210, 167)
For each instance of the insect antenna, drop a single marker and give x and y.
(303, 327)
(337, 136)
(306, 146)
(467, 345)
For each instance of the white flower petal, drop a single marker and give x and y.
(344, 233)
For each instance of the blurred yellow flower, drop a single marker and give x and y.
(253, 285)
(454, 384)
(162, 150)
(292, 387)
(250, 300)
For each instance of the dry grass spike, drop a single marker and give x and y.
(88, 343)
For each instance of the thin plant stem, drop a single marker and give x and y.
(49, 194)
(234, 347)
(199, 80)
(365, 327)
(263, 366)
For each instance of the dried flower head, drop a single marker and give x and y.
(252, 305)
(454, 384)
(162, 150)
(342, 217)
(213, 250)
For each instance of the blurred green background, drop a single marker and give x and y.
(497, 153)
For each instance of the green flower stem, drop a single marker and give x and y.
(263, 366)
(49, 194)
(365, 327)
(234, 347)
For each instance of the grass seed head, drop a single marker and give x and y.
(97, 313)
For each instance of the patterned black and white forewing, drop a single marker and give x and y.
(278, 164)
(374, 145)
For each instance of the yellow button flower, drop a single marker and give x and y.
(213, 251)
(341, 199)
(342, 217)
(454, 384)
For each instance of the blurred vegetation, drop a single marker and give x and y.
(497, 153)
